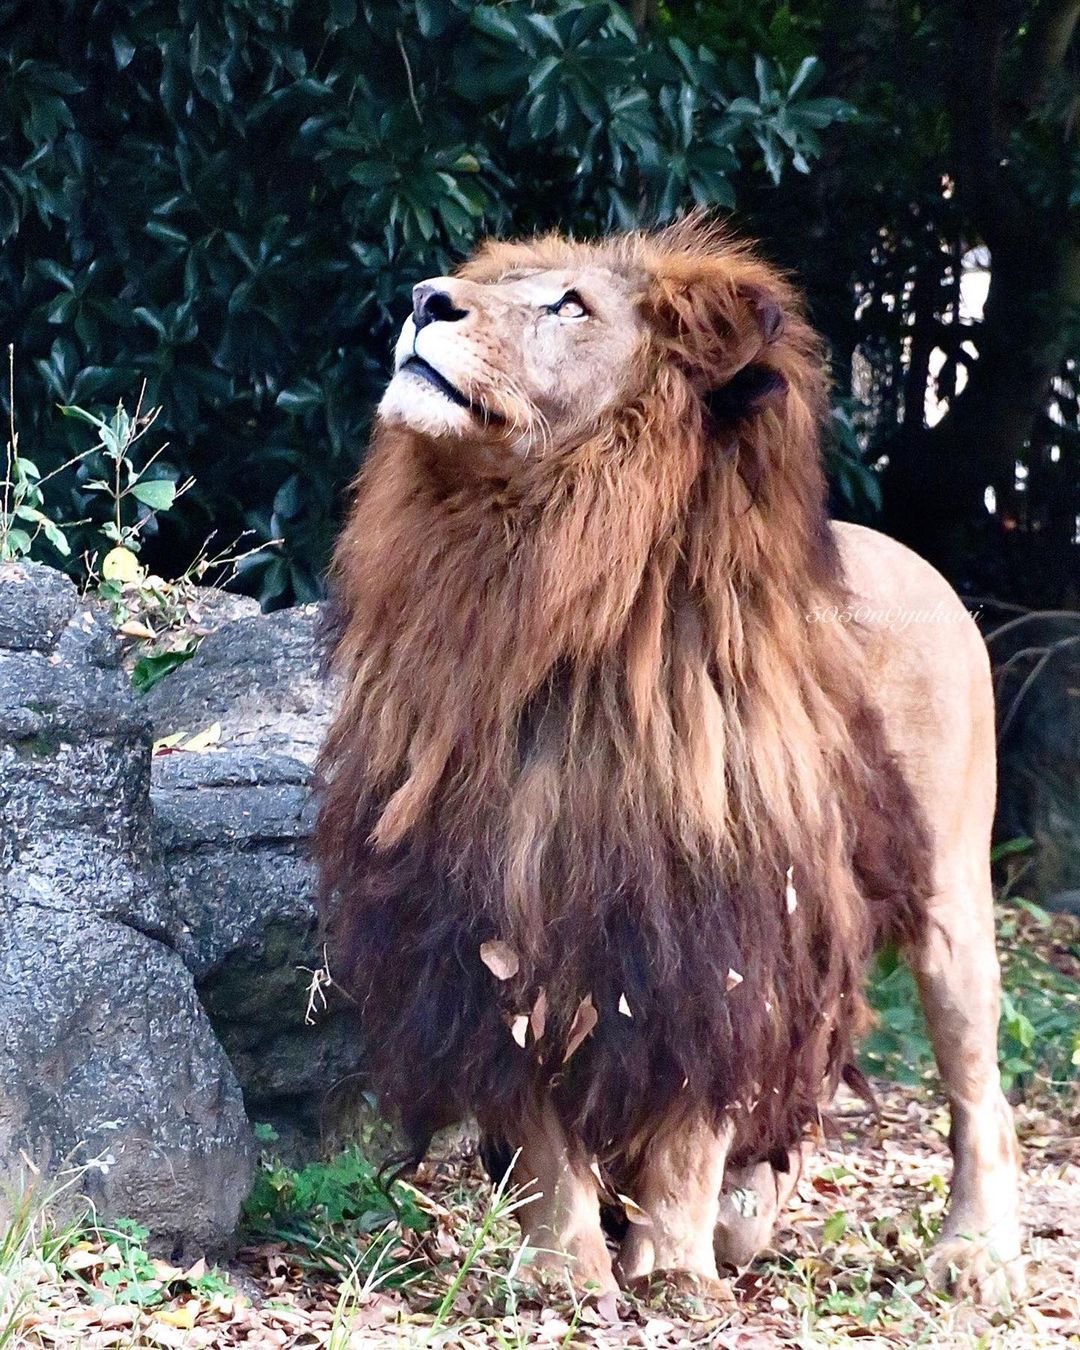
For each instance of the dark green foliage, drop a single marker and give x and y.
(1039, 1039)
(231, 198)
(330, 1211)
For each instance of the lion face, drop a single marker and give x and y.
(533, 359)
(536, 347)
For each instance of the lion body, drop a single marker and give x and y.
(588, 717)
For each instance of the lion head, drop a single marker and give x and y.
(583, 712)
(533, 348)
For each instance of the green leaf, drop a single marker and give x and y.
(835, 1226)
(81, 415)
(807, 67)
(14, 543)
(165, 234)
(1021, 844)
(156, 493)
(151, 670)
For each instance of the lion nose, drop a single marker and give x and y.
(431, 302)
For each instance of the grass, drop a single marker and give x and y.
(30, 1244)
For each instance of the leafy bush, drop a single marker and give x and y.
(341, 1213)
(231, 200)
(1039, 1035)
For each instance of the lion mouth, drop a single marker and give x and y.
(425, 371)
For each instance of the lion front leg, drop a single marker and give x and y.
(955, 962)
(562, 1223)
(678, 1191)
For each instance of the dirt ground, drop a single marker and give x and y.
(846, 1267)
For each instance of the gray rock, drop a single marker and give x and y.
(105, 1045)
(109, 1066)
(34, 607)
(259, 677)
(233, 830)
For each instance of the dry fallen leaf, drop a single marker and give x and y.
(634, 1212)
(203, 740)
(183, 1316)
(500, 958)
(624, 1006)
(585, 1019)
(733, 979)
(791, 895)
(135, 628)
(519, 1027)
(608, 1307)
(538, 1016)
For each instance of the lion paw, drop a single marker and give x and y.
(978, 1269)
(684, 1293)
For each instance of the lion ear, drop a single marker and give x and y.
(749, 390)
(767, 310)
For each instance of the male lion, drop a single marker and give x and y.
(616, 802)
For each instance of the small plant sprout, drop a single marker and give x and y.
(125, 485)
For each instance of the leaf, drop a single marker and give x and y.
(538, 1016)
(807, 67)
(791, 896)
(167, 743)
(151, 670)
(81, 415)
(156, 493)
(120, 564)
(183, 1316)
(133, 628)
(633, 1211)
(733, 980)
(624, 1006)
(1019, 845)
(519, 1028)
(203, 740)
(835, 1226)
(585, 1019)
(500, 958)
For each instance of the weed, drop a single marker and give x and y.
(340, 1216)
(30, 1245)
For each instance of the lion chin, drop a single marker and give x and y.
(638, 756)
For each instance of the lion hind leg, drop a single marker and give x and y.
(676, 1206)
(955, 962)
(750, 1205)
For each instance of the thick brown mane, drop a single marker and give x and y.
(585, 715)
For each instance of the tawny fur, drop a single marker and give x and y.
(584, 714)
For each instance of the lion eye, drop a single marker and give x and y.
(571, 306)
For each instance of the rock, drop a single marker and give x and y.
(107, 1054)
(232, 827)
(109, 1067)
(259, 677)
(233, 830)
(1037, 677)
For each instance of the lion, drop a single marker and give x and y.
(638, 756)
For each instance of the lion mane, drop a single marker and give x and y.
(585, 716)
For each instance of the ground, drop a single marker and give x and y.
(327, 1262)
